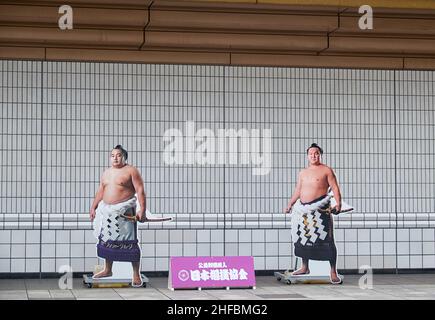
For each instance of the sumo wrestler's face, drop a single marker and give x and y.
(117, 158)
(314, 156)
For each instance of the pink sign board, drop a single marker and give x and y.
(202, 272)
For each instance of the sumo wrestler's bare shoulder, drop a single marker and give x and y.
(131, 169)
(327, 169)
(106, 174)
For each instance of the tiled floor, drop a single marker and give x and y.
(385, 287)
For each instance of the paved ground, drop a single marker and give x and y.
(385, 287)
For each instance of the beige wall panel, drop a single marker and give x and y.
(419, 63)
(316, 61)
(138, 56)
(22, 53)
(392, 26)
(234, 41)
(382, 45)
(279, 23)
(82, 17)
(131, 4)
(76, 37)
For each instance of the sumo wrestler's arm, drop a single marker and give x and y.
(140, 191)
(295, 196)
(332, 181)
(98, 197)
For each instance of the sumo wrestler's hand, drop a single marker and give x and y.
(92, 214)
(141, 217)
(288, 209)
(336, 209)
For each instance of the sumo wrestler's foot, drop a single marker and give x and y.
(103, 274)
(335, 278)
(301, 271)
(137, 282)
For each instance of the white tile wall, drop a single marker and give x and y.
(189, 236)
(90, 264)
(416, 248)
(428, 235)
(77, 236)
(5, 265)
(415, 235)
(363, 248)
(389, 235)
(148, 250)
(271, 263)
(217, 236)
(48, 265)
(259, 263)
(351, 248)
(376, 235)
(148, 236)
(429, 261)
(272, 249)
(18, 236)
(162, 236)
(271, 235)
(176, 236)
(77, 250)
(376, 248)
(203, 236)
(62, 262)
(403, 248)
(62, 236)
(162, 249)
(63, 250)
(428, 248)
(416, 261)
(18, 251)
(284, 235)
(204, 249)
(32, 265)
(231, 236)
(18, 265)
(258, 235)
(5, 236)
(348, 107)
(5, 251)
(389, 248)
(90, 250)
(231, 249)
(364, 260)
(350, 235)
(389, 262)
(245, 249)
(189, 249)
(402, 234)
(363, 234)
(148, 264)
(162, 263)
(77, 265)
(340, 262)
(217, 249)
(285, 262)
(351, 262)
(48, 236)
(403, 262)
(245, 236)
(377, 262)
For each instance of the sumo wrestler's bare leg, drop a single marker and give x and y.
(137, 280)
(302, 270)
(107, 272)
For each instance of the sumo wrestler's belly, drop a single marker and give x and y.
(116, 193)
(312, 193)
